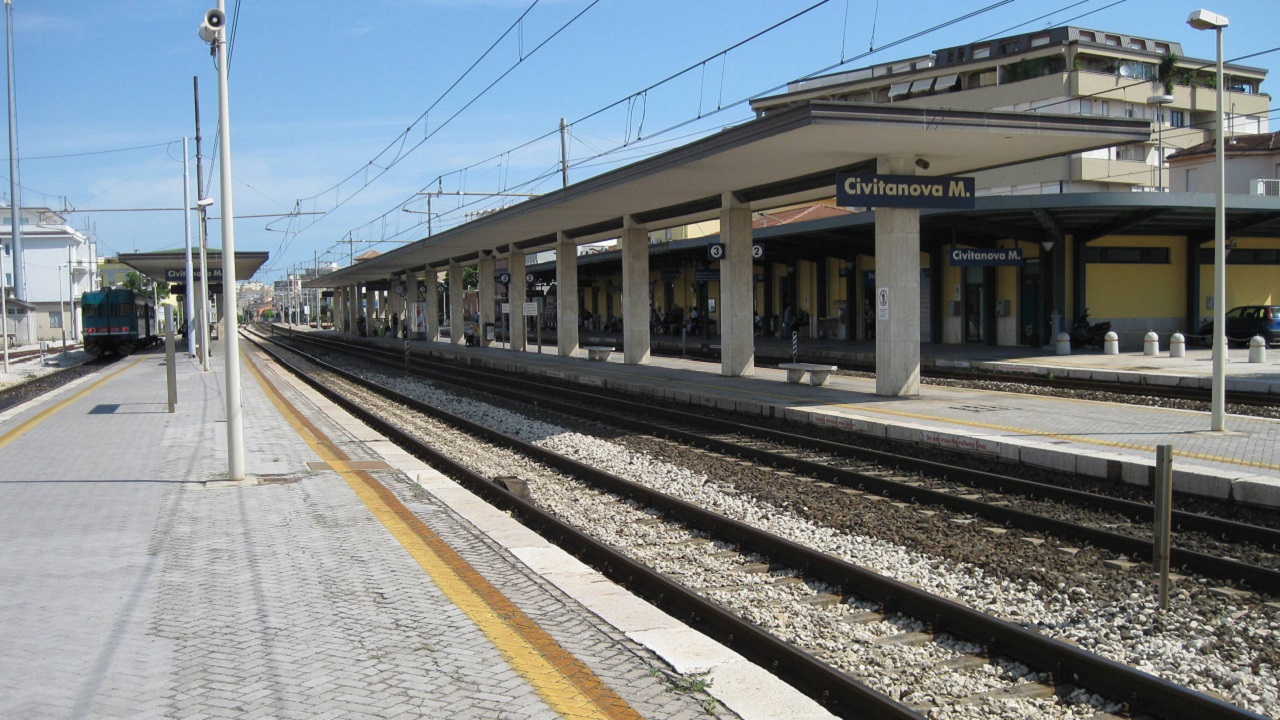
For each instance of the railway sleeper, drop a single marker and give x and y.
(908, 639)
(1024, 690)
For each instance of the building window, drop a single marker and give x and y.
(1130, 111)
(1088, 37)
(1112, 39)
(980, 52)
(1132, 153)
(1242, 256)
(1010, 48)
(1177, 118)
(1040, 40)
(1137, 44)
(1127, 255)
(55, 320)
(1162, 48)
(1086, 106)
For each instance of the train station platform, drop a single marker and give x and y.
(1111, 441)
(342, 579)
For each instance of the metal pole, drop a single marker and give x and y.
(1163, 519)
(564, 153)
(204, 240)
(171, 371)
(64, 313)
(1219, 396)
(19, 279)
(71, 299)
(235, 415)
(189, 311)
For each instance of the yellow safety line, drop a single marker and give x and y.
(563, 681)
(45, 414)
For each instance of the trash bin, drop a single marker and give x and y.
(488, 332)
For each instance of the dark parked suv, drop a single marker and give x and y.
(1244, 322)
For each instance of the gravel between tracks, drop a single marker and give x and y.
(1221, 645)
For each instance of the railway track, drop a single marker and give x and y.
(902, 621)
(37, 385)
(1219, 548)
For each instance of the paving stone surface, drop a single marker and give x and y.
(128, 589)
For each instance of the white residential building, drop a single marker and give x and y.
(59, 265)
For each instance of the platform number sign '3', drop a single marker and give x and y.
(715, 251)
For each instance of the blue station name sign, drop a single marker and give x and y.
(962, 257)
(904, 191)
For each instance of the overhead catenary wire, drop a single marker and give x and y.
(639, 95)
(633, 97)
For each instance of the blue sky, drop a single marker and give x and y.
(322, 91)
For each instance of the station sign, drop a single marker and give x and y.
(706, 276)
(180, 275)
(970, 257)
(904, 191)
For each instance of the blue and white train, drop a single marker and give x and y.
(118, 321)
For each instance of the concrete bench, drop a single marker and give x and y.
(817, 373)
(598, 352)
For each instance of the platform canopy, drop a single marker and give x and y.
(170, 266)
(784, 158)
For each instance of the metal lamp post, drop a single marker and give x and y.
(1205, 20)
(1160, 101)
(213, 31)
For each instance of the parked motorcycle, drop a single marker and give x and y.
(1084, 334)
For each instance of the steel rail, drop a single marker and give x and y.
(1067, 663)
(841, 694)
(594, 407)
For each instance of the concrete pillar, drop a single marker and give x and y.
(457, 324)
(486, 296)
(517, 292)
(366, 310)
(566, 296)
(634, 245)
(737, 343)
(431, 279)
(395, 304)
(897, 291)
(353, 306)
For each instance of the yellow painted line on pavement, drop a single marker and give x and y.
(49, 412)
(560, 679)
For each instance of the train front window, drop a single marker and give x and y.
(90, 311)
(126, 309)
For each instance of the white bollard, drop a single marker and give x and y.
(1177, 346)
(1064, 344)
(1151, 344)
(1111, 344)
(1257, 349)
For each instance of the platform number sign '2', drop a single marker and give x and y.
(715, 251)
(882, 303)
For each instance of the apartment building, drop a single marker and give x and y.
(59, 264)
(1070, 71)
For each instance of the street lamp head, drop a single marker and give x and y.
(1160, 99)
(1205, 20)
(204, 202)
